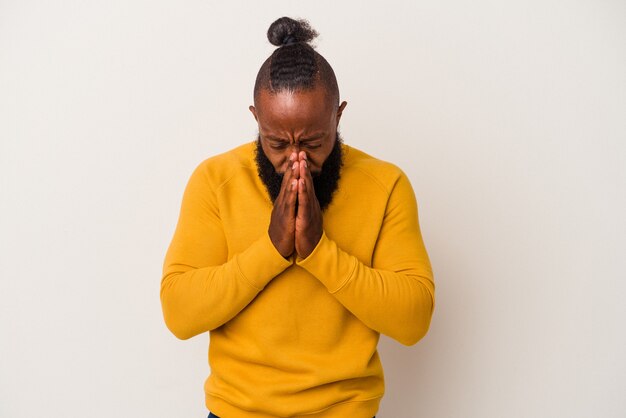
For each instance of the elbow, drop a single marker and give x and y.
(175, 324)
(179, 332)
(415, 334)
(421, 325)
(174, 319)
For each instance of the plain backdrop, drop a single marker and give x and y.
(508, 117)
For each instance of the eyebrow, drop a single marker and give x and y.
(311, 138)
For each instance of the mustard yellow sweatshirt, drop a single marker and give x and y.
(297, 337)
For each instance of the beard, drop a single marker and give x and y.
(325, 183)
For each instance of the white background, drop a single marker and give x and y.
(508, 117)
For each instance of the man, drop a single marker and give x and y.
(296, 251)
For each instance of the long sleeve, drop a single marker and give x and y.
(396, 296)
(200, 288)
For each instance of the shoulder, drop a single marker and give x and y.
(218, 169)
(361, 165)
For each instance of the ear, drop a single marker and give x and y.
(340, 111)
(253, 110)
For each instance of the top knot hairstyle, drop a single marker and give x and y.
(295, 66)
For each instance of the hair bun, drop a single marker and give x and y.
(286, 31)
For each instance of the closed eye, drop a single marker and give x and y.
(283, 146)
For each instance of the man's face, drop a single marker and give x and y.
(294, 122)
(298, 121)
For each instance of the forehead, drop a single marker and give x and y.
(293, 110)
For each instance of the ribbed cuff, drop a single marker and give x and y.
(261, 262)
(329, 264)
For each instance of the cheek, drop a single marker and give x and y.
(278, 159)
(316, 159)
(280, 166)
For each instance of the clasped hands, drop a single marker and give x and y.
(300, 229)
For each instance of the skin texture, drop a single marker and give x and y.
(297, 132)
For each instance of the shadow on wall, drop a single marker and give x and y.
(417, 377)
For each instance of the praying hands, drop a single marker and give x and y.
(296, 226)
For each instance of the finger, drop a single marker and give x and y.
(285, 204)
(302, 169)
(305, 174)
(303, 200)
(287, 177)
(291, 171)
(292, 199)
(292, 191)
(293, 159)
(284, 196)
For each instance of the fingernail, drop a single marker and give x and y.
(293, 183)
(305, 164)
(292, 156)
(293, 167)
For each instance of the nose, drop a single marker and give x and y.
(294, 148)
(290, 150)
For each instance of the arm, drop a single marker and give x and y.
(396, 295)
(200, 288)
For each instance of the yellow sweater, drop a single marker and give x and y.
(296, 337)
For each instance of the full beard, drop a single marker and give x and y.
(325, 183)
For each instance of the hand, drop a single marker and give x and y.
(283, 220)
(309, 217)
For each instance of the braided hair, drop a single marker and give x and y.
(295, 66)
